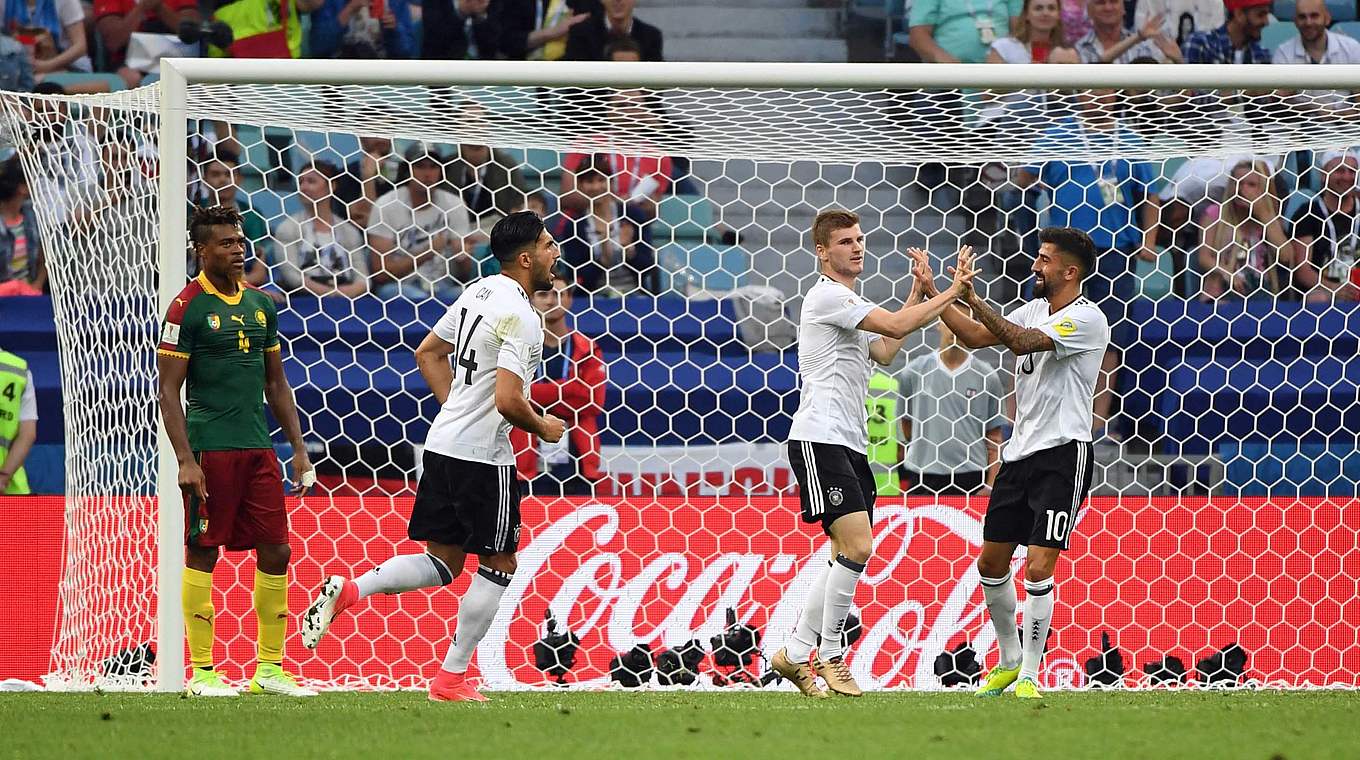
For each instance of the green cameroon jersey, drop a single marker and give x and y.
(225, 339)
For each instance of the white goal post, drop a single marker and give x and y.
(841, 132)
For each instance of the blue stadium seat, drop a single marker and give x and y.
(1349, 28)
(717, 268)
(1209, 402)
(682, 217)
(68, 79)
(1276, 33)
(1301, 470)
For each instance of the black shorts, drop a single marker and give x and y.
(1035, 500)
(832, 481)
(468, 504)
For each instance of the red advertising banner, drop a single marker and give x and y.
(1179, 577)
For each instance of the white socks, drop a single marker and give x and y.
(1038, 614)
(840, 592)
(799, 647)
(404, 572)
(1001, 602)
(475, 613)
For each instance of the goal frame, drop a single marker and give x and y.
(177, 74)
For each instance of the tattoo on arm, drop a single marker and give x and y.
(1021, 340)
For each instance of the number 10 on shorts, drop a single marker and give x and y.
(1058, 525)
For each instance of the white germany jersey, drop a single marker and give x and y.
(834, 367)
(491, 325)
(1054, 389)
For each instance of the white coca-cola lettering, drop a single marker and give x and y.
(637, 609)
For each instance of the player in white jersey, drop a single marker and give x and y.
(468, 498)
(1059, 340)
(840, 335)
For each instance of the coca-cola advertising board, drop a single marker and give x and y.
(1161, 576)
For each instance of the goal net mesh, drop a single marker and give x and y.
(1223, 510)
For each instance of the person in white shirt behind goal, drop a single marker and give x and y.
(468, 498)
(839, 332)
(1059, 339)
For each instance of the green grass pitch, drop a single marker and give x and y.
(622, 725)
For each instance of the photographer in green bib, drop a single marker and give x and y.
(18, 423)
(885, 449)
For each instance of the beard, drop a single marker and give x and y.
(1040, 287)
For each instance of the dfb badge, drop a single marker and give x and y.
(834, 495)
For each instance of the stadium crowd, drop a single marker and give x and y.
(410, 220)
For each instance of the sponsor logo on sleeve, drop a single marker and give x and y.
(1066, 328)
(170, 334)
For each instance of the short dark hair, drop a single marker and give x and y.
(1072, 242)
(225, 156)
(11, 177)
(514, 233)
(205, 218)
(829, 221)
(621, 43)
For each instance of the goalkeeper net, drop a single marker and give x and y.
(1223, 509)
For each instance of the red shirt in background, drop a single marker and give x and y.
(152, 21)
(627, 171)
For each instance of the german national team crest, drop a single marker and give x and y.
(259, 317)
(214, 321)
(834, 495)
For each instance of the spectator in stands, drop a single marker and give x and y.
(589, 40)
(1183, 199)
(1038, 30)
(952, 422)
(942, 31)
(23, 272)
(16, 70)
(1326, 234)
(108, 216)
(570, 385)
(323, 252)
(537, 202)
(1112, 202)
(1315, 44)
(367, 178)
(599, 243)
(220, 182)
(459, 29)
(1180, 18)
(489, 182)
(1076, 23)
(116, 20)
(53, 31)
(1245, 246)
(261, 31)
(640, 181)
(19, 422)
(363, 29)
(421, 235)
(67, 156)
(1237, 41)
(1109, 41)
(537, 30)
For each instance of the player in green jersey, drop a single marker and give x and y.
(221, 336)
